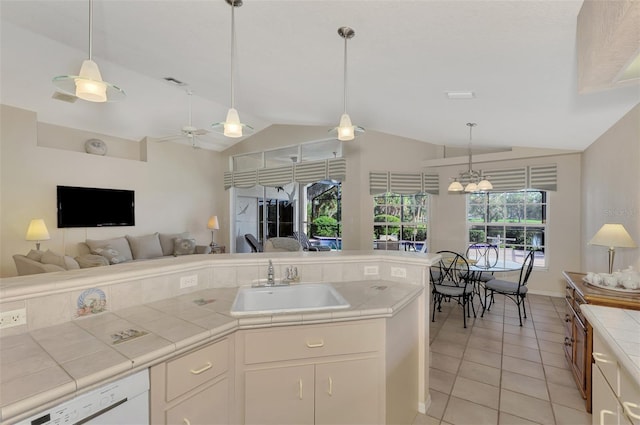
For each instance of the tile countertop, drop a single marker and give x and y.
(49, 365)
(620, 329)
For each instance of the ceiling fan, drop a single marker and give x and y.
(188, 131)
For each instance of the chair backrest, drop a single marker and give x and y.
(254, 243)
(453, 269)
(282, 245)
(527, 266)
(303, 239)
(485, 254)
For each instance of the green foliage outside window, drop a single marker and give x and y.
(324, 226)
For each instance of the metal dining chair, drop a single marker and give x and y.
(515, 291)
(450, 278)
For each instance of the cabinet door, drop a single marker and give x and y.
(210, 406)
(282, 395)
(605, 404)
(580, 362)
(348, 392)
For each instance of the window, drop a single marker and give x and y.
(514, 221)
(400, 221)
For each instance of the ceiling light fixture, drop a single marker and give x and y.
(88, 85)
(232, 127)
(476, 182)
(346, 130)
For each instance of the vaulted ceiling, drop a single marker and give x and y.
(517, 57)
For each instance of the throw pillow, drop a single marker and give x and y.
(91, 260)
(166, 241)
(70, 263)
(184, 246)
(120, 244)
(49, 257)
(35, 255)
(145, 247)
(112, 255)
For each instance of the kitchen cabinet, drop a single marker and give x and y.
(195, 387)
(313, 374)
(616, 395)
(578, 341)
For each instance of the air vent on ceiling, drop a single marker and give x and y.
(460, 95)
(64, 97)
(174, 81)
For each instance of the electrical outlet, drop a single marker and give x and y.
(398, 272)
(188, 281)
(13, 318)
(370, 270)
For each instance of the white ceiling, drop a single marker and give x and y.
(519, 58)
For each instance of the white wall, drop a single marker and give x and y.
(177, 188)
(611, 188)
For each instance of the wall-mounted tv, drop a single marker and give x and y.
(93, 207)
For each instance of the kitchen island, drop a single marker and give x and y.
(150, 318)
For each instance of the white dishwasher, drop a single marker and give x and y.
(122, 402)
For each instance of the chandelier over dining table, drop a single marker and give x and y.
(476, 182)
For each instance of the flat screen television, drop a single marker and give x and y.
(94, 207)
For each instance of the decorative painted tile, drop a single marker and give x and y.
(91, 301)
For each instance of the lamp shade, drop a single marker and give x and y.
(232, 126)
(37, 231)
(455, 186)
(213, 223)
(613, 236)
(485, 185)
(346, 130)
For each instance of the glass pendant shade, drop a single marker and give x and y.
(346, 131)
(232, 125)
(485, 185)
(471, 187)
(88, 84)
(455, 186)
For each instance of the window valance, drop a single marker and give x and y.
(303, 172)
(403, 183)
(539, 177)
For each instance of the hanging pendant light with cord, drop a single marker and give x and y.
(477, 183)
(88, 84)
(346, 130)
(232, 127)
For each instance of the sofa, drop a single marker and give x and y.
(103, 252)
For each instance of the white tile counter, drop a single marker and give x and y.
(620, 329)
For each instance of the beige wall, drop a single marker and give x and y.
(177, 188)
(611, 192)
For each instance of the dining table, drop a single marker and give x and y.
(477, 269)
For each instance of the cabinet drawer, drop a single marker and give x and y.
(291, 343)
(208, 407)
(629, 397)
(196, 368)
(606, 362)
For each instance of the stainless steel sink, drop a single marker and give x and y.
(287, 299)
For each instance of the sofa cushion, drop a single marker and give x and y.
(166, 241)
(91, 260)
(184, 246)
(112, 255)
(120, 244)
(49, 257)
(35, 255)
(145, 247)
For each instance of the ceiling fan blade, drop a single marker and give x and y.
(167, 138)
(201, 132)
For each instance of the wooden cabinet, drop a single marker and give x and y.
(578, 342)
(616, 396)
(194, 388)
(313, 374)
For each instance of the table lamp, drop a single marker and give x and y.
(213, 225)
(37, 231)
(614, 236)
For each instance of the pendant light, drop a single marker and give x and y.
(88, 84)
(232, 127)
(476, 182)
(346, 130)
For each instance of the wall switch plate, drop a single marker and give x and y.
(188, 281)
(13, 318)
(370, 270)
(398, 272)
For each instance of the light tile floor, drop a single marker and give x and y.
(496, 372)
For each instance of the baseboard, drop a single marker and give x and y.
(423, 407)
(546, 293)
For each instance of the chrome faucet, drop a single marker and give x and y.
(270, 280)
